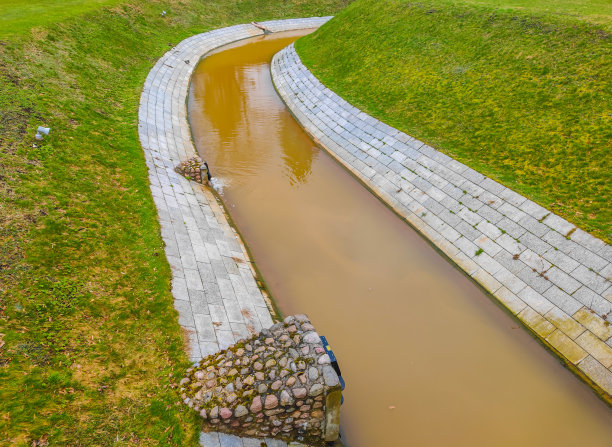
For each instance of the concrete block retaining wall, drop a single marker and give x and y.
(556, 278)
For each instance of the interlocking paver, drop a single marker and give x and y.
(565, 322)
(562, 300)
(201, 247)
(510, 227)
(510, 300)
(536, 280)
(488, 245)
(569, 348)
(563, 280)
(486, 280)
(598, 349)
(530, 259)
(594, 323)
(535, 300)
(586, 240)
(589, 259)
(535, 261)
(511, 281)
(536, 322)
(598, 373)
(593, 301)
(590, 279)
(558, 224)
(560, 260)
(534, 210)
(210, 440)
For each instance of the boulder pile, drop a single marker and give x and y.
(277, 383)
(194, 169)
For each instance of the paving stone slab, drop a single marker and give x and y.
(556, 277)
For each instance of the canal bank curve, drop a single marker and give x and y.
(554, 277)
(213, 280)
(421, 346)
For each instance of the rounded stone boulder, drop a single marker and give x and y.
(312, 337)
(253, 388)
(313, 373)
(286, 399)
(316, 390)
(271, 402)
(300, 393)
(214, 413)
(256, 405)
(270, 363)
(240, 411)
(330, 376)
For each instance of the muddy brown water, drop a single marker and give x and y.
(429, 358)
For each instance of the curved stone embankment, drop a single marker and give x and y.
(554, 277)
(213, 282)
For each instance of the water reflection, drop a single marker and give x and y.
(298, 164)
(241, 116)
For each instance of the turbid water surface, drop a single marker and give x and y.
(429, 358)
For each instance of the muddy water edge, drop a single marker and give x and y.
(429, 358)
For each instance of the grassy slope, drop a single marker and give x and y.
(594, 11)
(524, 98)
(90, 345)
(19, 16)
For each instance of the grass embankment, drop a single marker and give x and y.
(19, 16)
(521, 94)
(89, 340)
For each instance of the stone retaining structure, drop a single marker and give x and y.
(556, 278)
(213, 281)
(279, 382)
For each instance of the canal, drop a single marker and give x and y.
(429, 358)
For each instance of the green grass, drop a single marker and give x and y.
(594, 11)
(19, 16)
(90, 346)
(522, 95)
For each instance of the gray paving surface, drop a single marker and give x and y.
(213, 281)
(555, 277)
